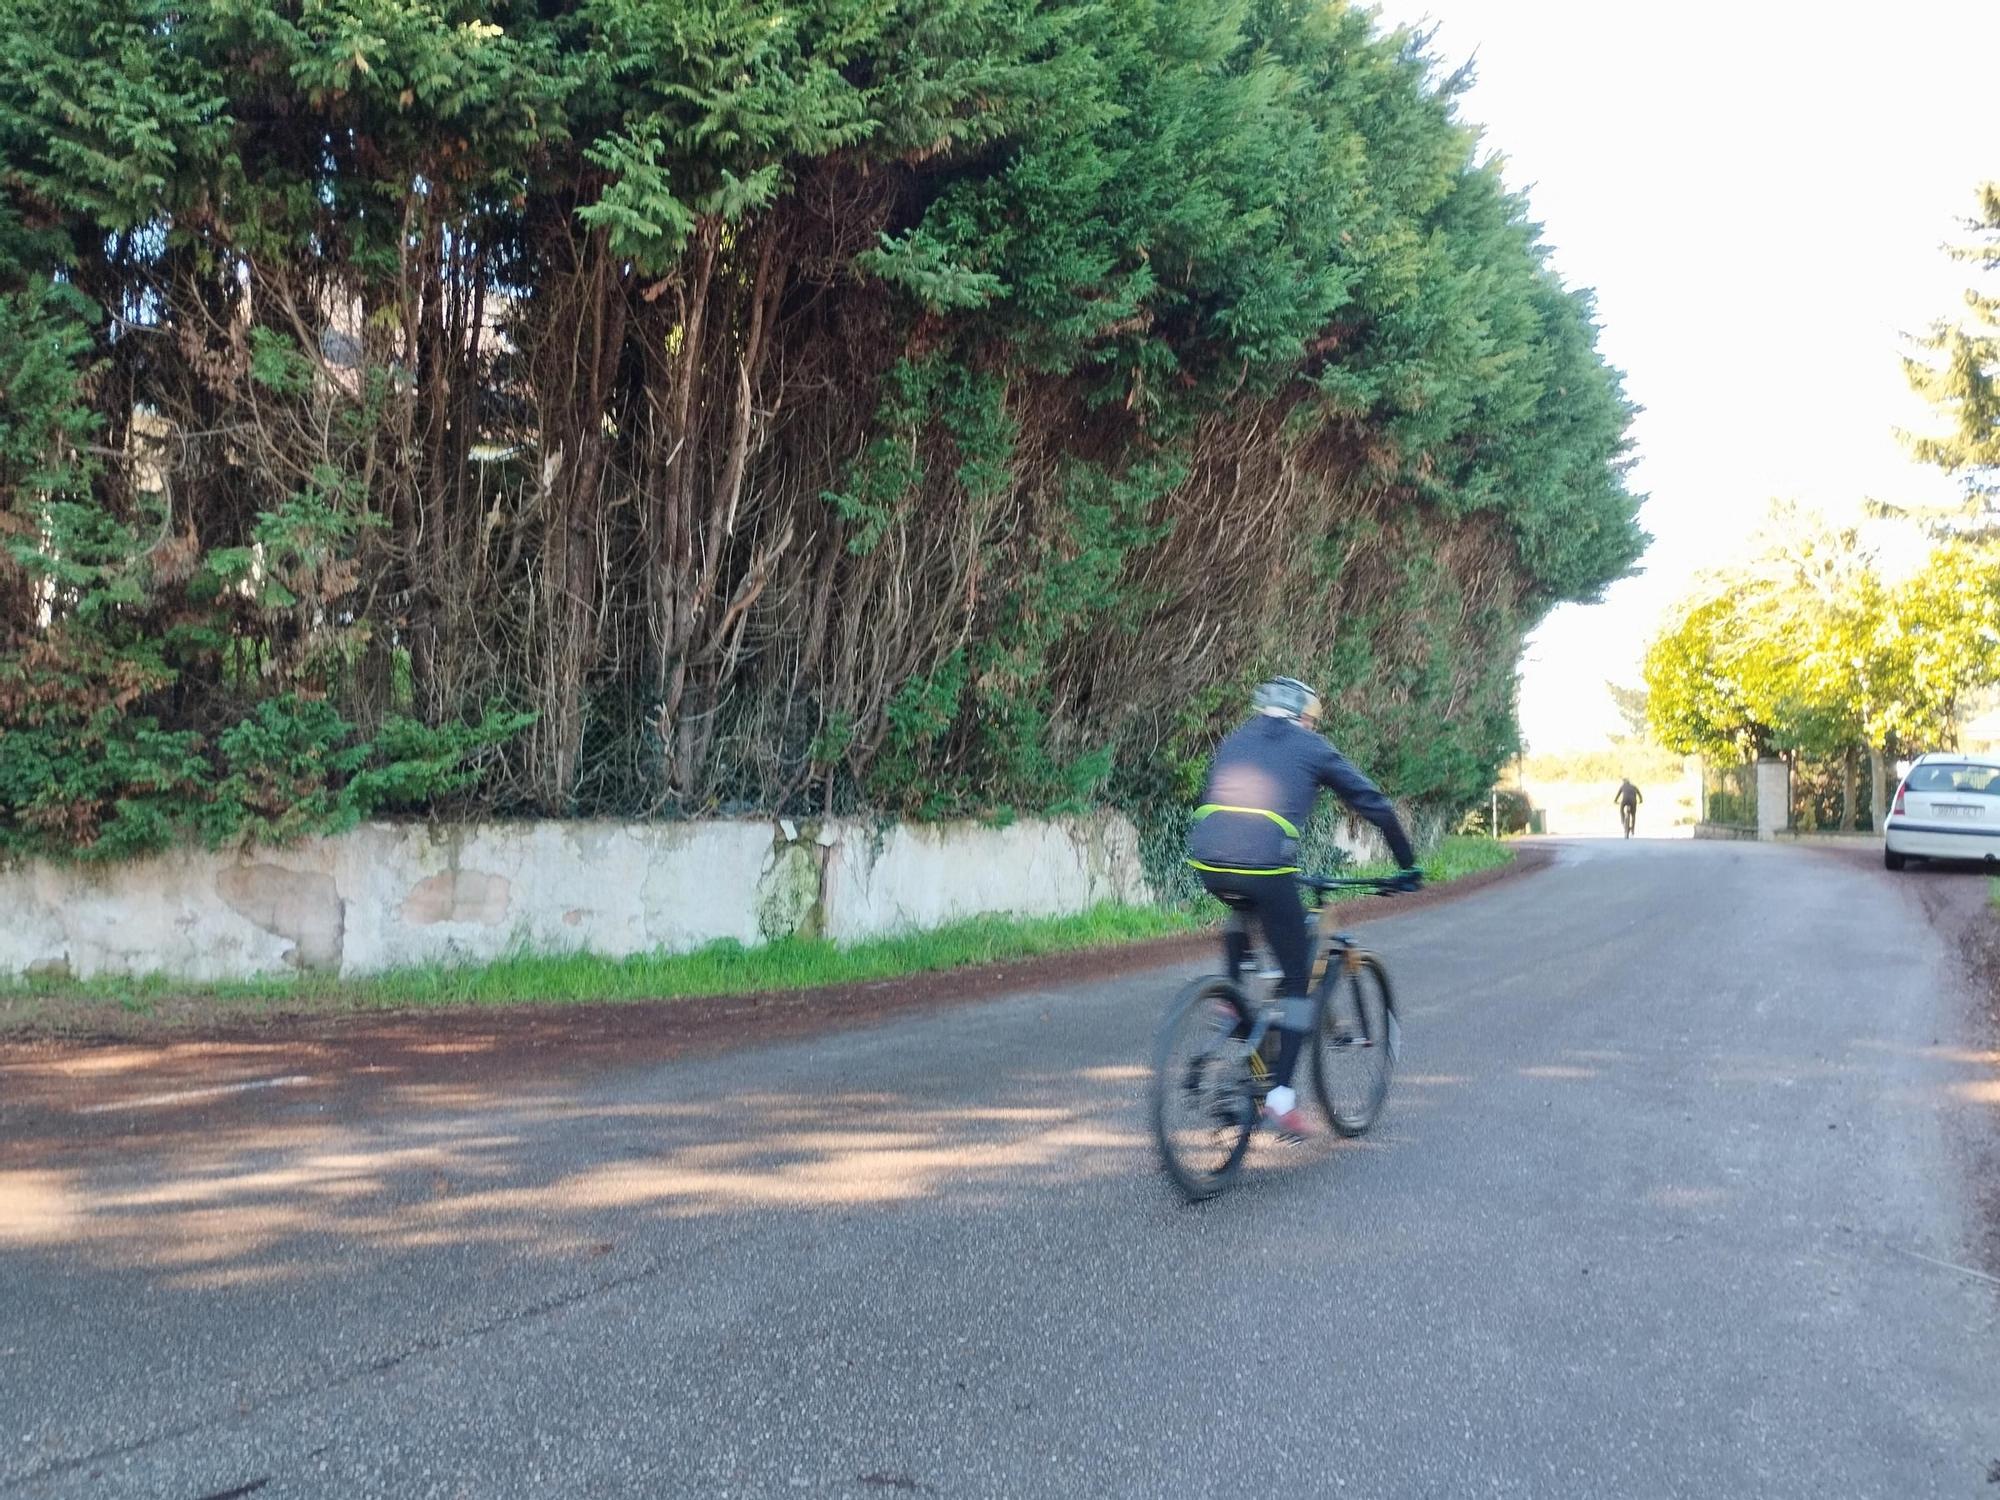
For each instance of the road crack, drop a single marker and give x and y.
(903, 1482)
(242, 1416)
(241, 1490)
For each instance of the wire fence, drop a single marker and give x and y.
(1831, 795)
(1729, 795)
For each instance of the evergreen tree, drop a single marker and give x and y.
(1960, 376)
(623, 406)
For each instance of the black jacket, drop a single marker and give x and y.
(1261, 788)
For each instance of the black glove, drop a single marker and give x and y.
(1411, 879)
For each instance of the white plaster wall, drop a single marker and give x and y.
(389, 895)
(1360, 842)
(479, 891)
(913, 876)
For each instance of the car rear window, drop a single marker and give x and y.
(1976, 779)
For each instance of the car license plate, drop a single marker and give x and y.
(1957, 810)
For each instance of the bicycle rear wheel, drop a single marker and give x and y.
(1202, 1104)
(1352, 1053)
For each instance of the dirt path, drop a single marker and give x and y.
(89, 1079)
(1957, 902)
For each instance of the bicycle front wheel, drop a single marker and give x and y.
(1352, 1048)
(1203, 1108)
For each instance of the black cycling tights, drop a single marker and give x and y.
(1274, 901)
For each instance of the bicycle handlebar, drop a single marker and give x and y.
(1381, 885)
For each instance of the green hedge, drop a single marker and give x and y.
(616, 407)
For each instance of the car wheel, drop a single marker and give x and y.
(1891, 859)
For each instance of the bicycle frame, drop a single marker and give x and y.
(1224, 1075)
(1327, 947)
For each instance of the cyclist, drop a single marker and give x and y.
(1628, 797)
(1245, 841)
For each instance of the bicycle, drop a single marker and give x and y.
(1629, 816)
(1212, 1058)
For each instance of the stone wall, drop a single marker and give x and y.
(389, 895)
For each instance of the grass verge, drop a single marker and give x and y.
(1457, 857)
(725, 968)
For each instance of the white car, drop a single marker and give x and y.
(1948, 807)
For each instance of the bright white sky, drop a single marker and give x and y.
(1758, 191)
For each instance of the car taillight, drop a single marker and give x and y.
(1898, 808)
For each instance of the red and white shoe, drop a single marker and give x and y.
(1283, 1115)
(1292, 1125)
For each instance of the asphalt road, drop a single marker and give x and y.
(1671, 1198)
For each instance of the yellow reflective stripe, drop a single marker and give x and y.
(1262, 812)
(1232, 870)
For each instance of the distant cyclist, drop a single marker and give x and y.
(1628, 797)
(1262, 785)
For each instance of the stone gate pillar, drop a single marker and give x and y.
(1774, 798)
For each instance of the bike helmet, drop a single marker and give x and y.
(1287, 698)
